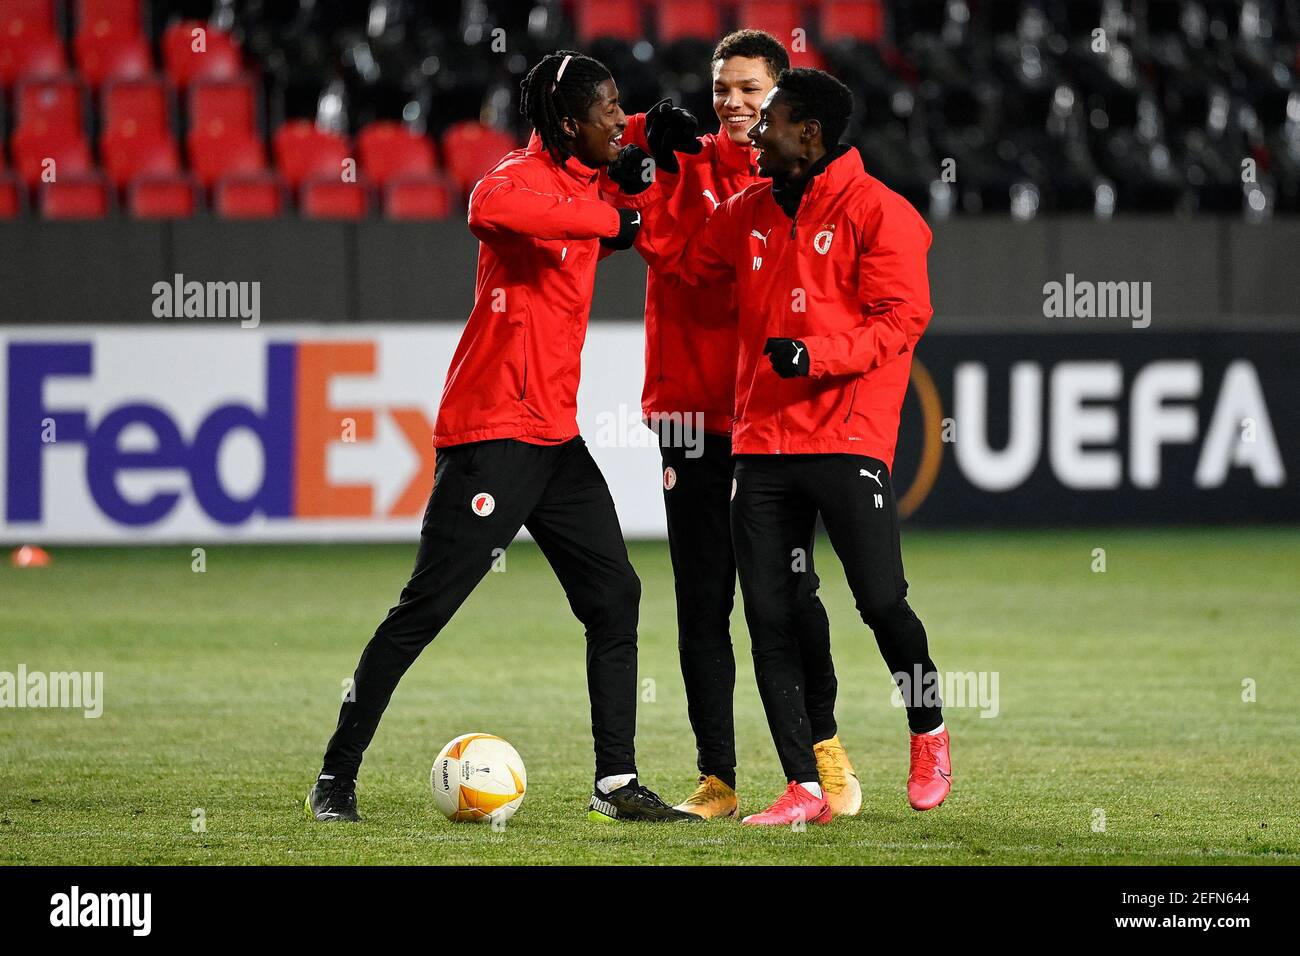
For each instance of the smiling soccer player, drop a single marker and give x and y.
(509, 452)
(832, 293)
(690, 357)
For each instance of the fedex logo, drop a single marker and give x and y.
(295, 429)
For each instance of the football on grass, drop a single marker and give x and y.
(478, 778)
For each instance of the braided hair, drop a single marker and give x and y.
(562, 85)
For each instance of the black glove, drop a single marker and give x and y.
(632, 170)
(629, 224)
(789, 357)
(669, 130)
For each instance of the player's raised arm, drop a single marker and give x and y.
(678, 255)
(523, 199)
(893, 289)
(647, 178)
(502, 204)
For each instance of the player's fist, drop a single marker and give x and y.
(629, 224)
(789, 357)
(633, 170)
(670, 130)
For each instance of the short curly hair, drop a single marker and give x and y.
(813, 94)
(756, 45)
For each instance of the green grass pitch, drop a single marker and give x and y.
(1122, 734)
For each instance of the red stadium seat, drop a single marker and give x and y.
(608, 19)
(257, 196)
(161, 197)
(57, 103)
(389, 149)
(781, 18)
(49, 139)
(136, 106)
(109, 55)
(778, 17)
(301, 150)
(27, 17)
(83, 197)
(40, 152)
(326, 197)
(128, 156)
(30, 57)
(418, 197)
(223, 137)
(470, 149)
(219, 109)
(862, 20)
(687, 20)
(214, 157)
(10, 196)
(123, 15)
(193, 50)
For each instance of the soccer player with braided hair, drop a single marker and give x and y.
(509, 454)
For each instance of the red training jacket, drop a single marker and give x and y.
(515, 371)
(690, 331)
(847, 276)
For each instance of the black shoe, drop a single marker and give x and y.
(331, 800)
(634, 802)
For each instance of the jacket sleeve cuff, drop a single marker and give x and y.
(613, 223)
(816, 365)
(658, 191)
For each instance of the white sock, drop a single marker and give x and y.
(610, 784)
(931, 733)
(814, 788)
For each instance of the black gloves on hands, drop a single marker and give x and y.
(669, 130)
(633, 170)
(629, 224)
(789, 357)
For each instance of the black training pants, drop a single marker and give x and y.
(774, 512)
(697, 493)
(559, 494)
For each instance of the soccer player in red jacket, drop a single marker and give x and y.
(690, 380)
(829, 268)
(509, 452)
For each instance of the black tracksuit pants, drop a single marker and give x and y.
(559, 494)
(697, 492)
(775, 509)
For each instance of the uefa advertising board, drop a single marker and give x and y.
(194, 433)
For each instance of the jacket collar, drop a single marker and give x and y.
(840, 166)
(735, 157)
(573, 166)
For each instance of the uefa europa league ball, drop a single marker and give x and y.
(478, 778)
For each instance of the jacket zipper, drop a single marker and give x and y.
(794, 222)
(523, 391)
(853, 399)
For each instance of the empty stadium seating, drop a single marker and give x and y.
(170, 108)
